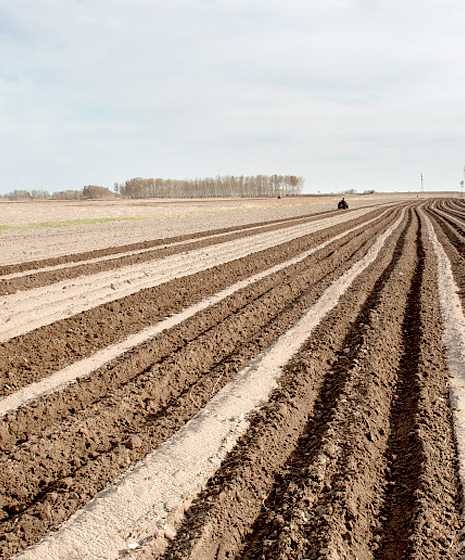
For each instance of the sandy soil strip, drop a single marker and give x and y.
(147, 496)
(454, 339)
(176, 377)
(122, 254)
(85, 367)
(23, 312)
(39, 243)
(105, 258)
(449, 205)
(449, 217)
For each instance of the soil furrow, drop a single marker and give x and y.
(329, 498)
(87, 436)
(36, 355)
(452, 225)
(163, 248)
(454, 245)
(263, 465)
(450, 208)
(24, 312)
(34, 417)
(353, 455)
(422, 503)
(146, 245)
(405, 448)
(47, 277)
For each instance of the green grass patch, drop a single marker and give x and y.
(68, 223)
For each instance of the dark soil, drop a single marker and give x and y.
(353, 456)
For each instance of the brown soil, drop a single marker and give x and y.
(449, 221)
(36, 355)
(353, 456)
(182, 243)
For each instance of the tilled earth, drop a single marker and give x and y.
(352, 457)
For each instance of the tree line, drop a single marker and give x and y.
(210, 187)
(86, 193)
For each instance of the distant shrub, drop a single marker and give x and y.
(67, 195)
(19, 194)
(94, 192)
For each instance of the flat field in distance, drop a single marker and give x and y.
(40, 230)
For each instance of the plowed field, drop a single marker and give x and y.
(283, 389)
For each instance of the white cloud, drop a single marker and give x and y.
(94, 91)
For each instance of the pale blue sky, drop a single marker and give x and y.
(349, 94)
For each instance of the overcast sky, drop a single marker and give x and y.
(346, 93)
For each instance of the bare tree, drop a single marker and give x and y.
(219, 186)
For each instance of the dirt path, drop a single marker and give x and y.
(353, 454)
